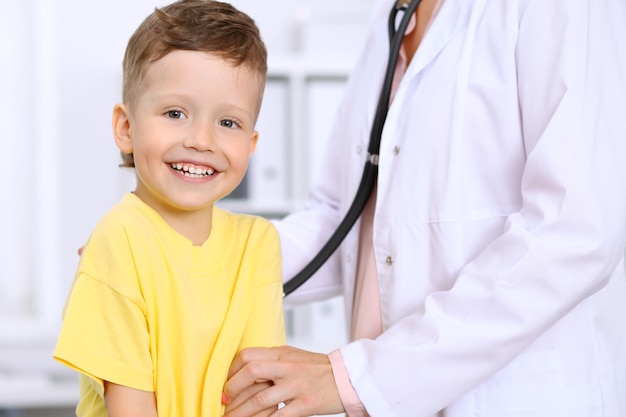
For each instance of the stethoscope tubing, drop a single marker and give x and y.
(370, 170)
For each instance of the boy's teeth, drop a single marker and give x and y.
(187, 170)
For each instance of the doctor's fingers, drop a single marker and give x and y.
(302, 380)
(246, 395)
(267, 403)
(252, 355)
(262, 402)
(254, 365)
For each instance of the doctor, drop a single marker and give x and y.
(485, 277)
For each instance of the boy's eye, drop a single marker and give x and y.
(231, 124)
(176, 114)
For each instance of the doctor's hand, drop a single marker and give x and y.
(302, 380)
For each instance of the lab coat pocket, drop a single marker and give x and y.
(537, 385)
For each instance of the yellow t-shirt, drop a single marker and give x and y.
(150, 311)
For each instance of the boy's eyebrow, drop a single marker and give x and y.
(155, 96)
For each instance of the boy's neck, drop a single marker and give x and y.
(194, 225)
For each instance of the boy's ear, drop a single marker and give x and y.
(122, 129)
(253, 140)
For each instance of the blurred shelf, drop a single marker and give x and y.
(309, 66)
(31, 378)
(37, 391)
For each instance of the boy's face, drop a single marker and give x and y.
(191, 130)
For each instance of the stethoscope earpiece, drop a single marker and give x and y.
(403, 4)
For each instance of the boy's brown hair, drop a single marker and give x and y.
(191, 25)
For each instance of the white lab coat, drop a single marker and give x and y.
(500, 222)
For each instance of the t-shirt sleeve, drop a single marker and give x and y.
(105, 336)
(266, 323)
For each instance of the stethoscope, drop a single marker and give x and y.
(370, 171)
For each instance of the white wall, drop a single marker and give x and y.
(60, 76)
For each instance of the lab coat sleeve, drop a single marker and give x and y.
(302, 235)
(558, 249)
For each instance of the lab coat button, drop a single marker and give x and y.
(389, 260)
(359, 149)
(396, 150)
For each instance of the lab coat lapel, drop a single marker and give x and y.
(451, 20)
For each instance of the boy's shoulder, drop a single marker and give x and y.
(243, 220)
(126, 214)
(121, 228)
(111, 248)
(245, 227)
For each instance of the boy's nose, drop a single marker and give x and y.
(200, 138)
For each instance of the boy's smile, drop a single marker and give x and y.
(191, 171)
(191, 132)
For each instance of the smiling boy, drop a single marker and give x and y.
(169, 288)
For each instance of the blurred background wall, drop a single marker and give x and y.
(60, 76)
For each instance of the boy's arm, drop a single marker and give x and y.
(265, 325)
(122, 401)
